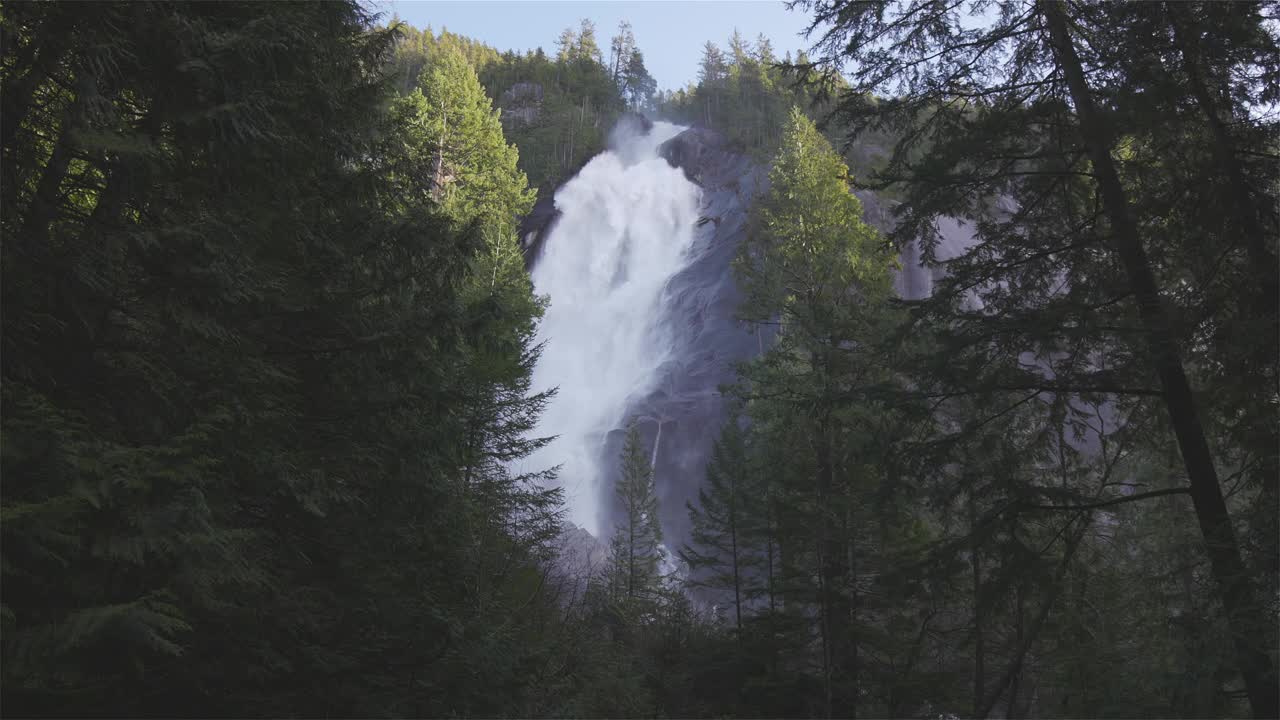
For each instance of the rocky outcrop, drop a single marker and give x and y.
(914, 280)
(521, 104)
(684, 415)
(705, 157)
(580, 554)
(629, 123)
(535, 227)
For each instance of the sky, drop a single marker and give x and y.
(670, 33)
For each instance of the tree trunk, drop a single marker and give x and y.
(770, 530)
(44, 205)
(827, 554)
(1012, 712)
(852, 587)
(1249, 213)
(42, 52)
(1033, 632)
(437, 189)
(1240, 195)
(1245, 615)
(733, 542)
(979, 638)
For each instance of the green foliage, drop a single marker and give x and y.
(555, 110)
(811, 255)
(635, 552)
(724, 553)
(260, 390)
(745, 94)
(1068, 347)
(637, 84)
(416, 49)
(456, 138)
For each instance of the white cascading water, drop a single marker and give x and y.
(626, 224)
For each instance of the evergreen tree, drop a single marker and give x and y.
(259, 391)
(587, 49)
(764, 50)
(725, 524)
(640, 85)
(739, 54)
(1077, 258)
(812, 266)
(745, 96)
(712, 68)
(567, 46)
(457, 139)
(269, 340)
(636, 552)
(557, 112)
(621, 47)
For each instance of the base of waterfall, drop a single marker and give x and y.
(581, 556)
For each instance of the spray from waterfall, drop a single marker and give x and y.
(626, 224)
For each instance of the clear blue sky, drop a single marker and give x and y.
(670, 33)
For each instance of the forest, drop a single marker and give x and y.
(272, 430)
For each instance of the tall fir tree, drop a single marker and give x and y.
(813, 267)
(636, 551)
(723, 551)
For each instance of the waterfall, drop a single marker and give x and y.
(657, 443)
(626, 225)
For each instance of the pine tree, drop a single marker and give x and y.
(812, 266)
(259, 391)
(567, 46)
(587, 49)
(723, 554)
(621, 47)
(457, 139)
(713, 68)
(739, 55)
(764, 50)
(640, 85)
(636, 549)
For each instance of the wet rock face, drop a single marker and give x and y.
(580, 554)
(704, 156)
(535, 227)
(915, 281)
(683, 416)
